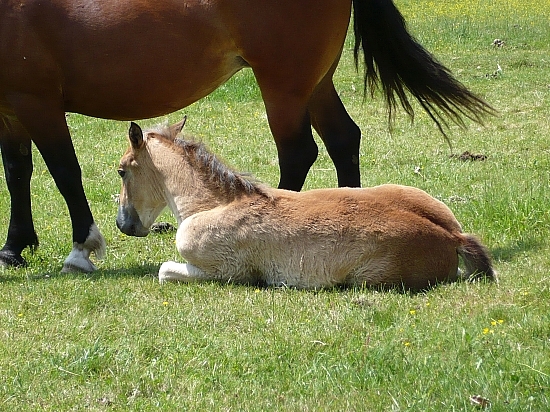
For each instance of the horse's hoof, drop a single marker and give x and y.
(78, 261)
(79, 258)
(81, 266)
(10, 259)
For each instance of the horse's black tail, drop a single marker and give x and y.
(476, 259)
(394, 59)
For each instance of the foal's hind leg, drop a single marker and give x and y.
(15, 145)
(338, 131)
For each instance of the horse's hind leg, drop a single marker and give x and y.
(15, 145)
(338, 131)
(286, 107)
(45, 122)
(296, 156)
(296, 147)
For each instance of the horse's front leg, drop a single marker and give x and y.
(15, 145)
(62, 163)
(44, 119)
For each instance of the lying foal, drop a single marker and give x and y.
(232, 229)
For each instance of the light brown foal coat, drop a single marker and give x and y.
(233, 230)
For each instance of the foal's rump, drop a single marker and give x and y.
(386, 235)
(416, 261)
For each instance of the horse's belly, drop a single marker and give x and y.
(151, 83)
(145, 94)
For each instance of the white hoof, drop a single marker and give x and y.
(79, 258)
(78, 261)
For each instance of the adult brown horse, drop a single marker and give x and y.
(131, 59)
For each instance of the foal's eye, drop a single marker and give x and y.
(121, 172)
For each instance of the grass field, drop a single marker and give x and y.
(117, 340)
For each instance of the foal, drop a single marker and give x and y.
(232, 229)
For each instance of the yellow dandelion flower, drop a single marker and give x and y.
(165, 303)
(412, 312)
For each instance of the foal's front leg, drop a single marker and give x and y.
(182, 272)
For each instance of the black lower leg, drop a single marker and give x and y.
(295, 160)
(18, 168)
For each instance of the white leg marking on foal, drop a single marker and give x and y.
(179, 272)
(79, 258)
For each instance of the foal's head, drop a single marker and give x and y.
(141, 197)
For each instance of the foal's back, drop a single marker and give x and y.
(385, 235)
(385, 208)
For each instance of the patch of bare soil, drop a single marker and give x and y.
(467, 156)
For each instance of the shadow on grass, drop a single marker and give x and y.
(132, 271)
(504, 253)
(8, 275)
(507, 253)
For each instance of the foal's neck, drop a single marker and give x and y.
(197, 181)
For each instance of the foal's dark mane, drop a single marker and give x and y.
(220, 175)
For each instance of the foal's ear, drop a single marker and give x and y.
(175, 129)
(135, 135)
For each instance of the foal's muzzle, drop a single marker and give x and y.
(129, 223)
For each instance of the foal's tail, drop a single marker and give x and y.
(476, 259)
(394, 59)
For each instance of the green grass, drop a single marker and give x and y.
(117, 340)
